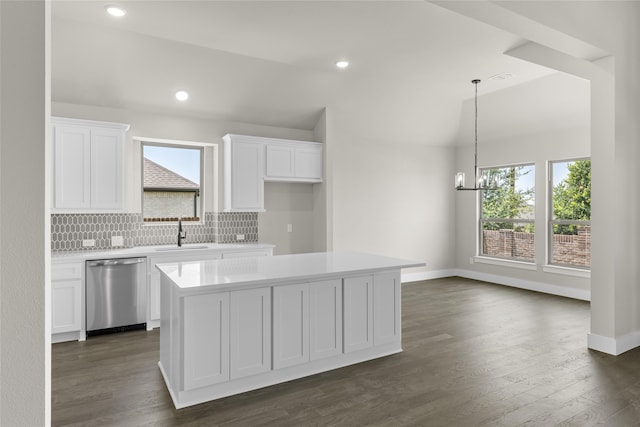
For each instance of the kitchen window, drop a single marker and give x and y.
(506, 225)
(172, 177)
(570, 223)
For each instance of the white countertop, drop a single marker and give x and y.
(140, 251)
(261, 270)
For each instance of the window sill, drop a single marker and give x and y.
(523, 265)
(567, 271)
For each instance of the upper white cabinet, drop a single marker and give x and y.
(250, 161)
(243, 174)
(294, 161)
(88, 166)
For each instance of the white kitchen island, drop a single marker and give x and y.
(234, 325)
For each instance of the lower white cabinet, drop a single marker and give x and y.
(290, 325)
(66, 306)
(387, 323)
(218, 341)
(325, 319)
(66, 300)
(358, 313)
(206, 356)
(250, 332)
(307, 322)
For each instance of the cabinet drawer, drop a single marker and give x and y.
(71, 270)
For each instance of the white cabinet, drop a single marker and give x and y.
(372, 311)
(325, 319)
(206, 355)
(293, 161)
(280, 161)
(307, 322)
(387, 325)
(250, 332)
(290, 325)
(66, 299)
(358, 313)
(88, 166)
(72, 167)
(243, 174)
(107, 169)
(249, 161)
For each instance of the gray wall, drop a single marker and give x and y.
(25, 299)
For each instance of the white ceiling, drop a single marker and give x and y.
(272, 62)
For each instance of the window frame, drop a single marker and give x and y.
(551, 221)
(154, 142)
(481, 220)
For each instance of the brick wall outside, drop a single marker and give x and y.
(509, 244)
(567, 249)
(167, 204)
(573, 249)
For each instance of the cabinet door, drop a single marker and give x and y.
(206, 340)
(290, 325)
(250, 332)
(325, 319)
(107, 169)
(72, 167)
(308, 163)
(66, 305)
(280, 161)
(386, 308)
(247, 177)
(358, 315)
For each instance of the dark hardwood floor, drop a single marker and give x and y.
(474, 354)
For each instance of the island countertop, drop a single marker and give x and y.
(260, 270)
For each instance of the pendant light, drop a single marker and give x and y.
(479, 182)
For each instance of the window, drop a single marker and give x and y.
(171, 176)
(507, 213)
(570, 224)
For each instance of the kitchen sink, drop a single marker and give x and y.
(182, 248)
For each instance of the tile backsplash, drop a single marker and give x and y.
(69, 230)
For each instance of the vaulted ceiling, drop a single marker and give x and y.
(272, 62)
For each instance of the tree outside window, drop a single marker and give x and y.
(570, 225)
(507, 213)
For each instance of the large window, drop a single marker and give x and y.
(570, 224)
(171, 176)
(507, 213)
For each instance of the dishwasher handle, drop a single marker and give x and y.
(118, 261)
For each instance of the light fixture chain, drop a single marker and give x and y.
(475, 164)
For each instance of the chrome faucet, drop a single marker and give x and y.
(181, 233)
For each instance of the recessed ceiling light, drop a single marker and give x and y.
(342, 64)
(182, 95)
(114, 10)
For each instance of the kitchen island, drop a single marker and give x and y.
(234, 325)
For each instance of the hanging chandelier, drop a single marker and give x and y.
(483, 181)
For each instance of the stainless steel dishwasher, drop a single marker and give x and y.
(116, 295)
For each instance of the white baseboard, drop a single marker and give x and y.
(426, 275)
(614, 346)
(546, 288)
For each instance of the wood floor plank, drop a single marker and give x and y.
(474, 354)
